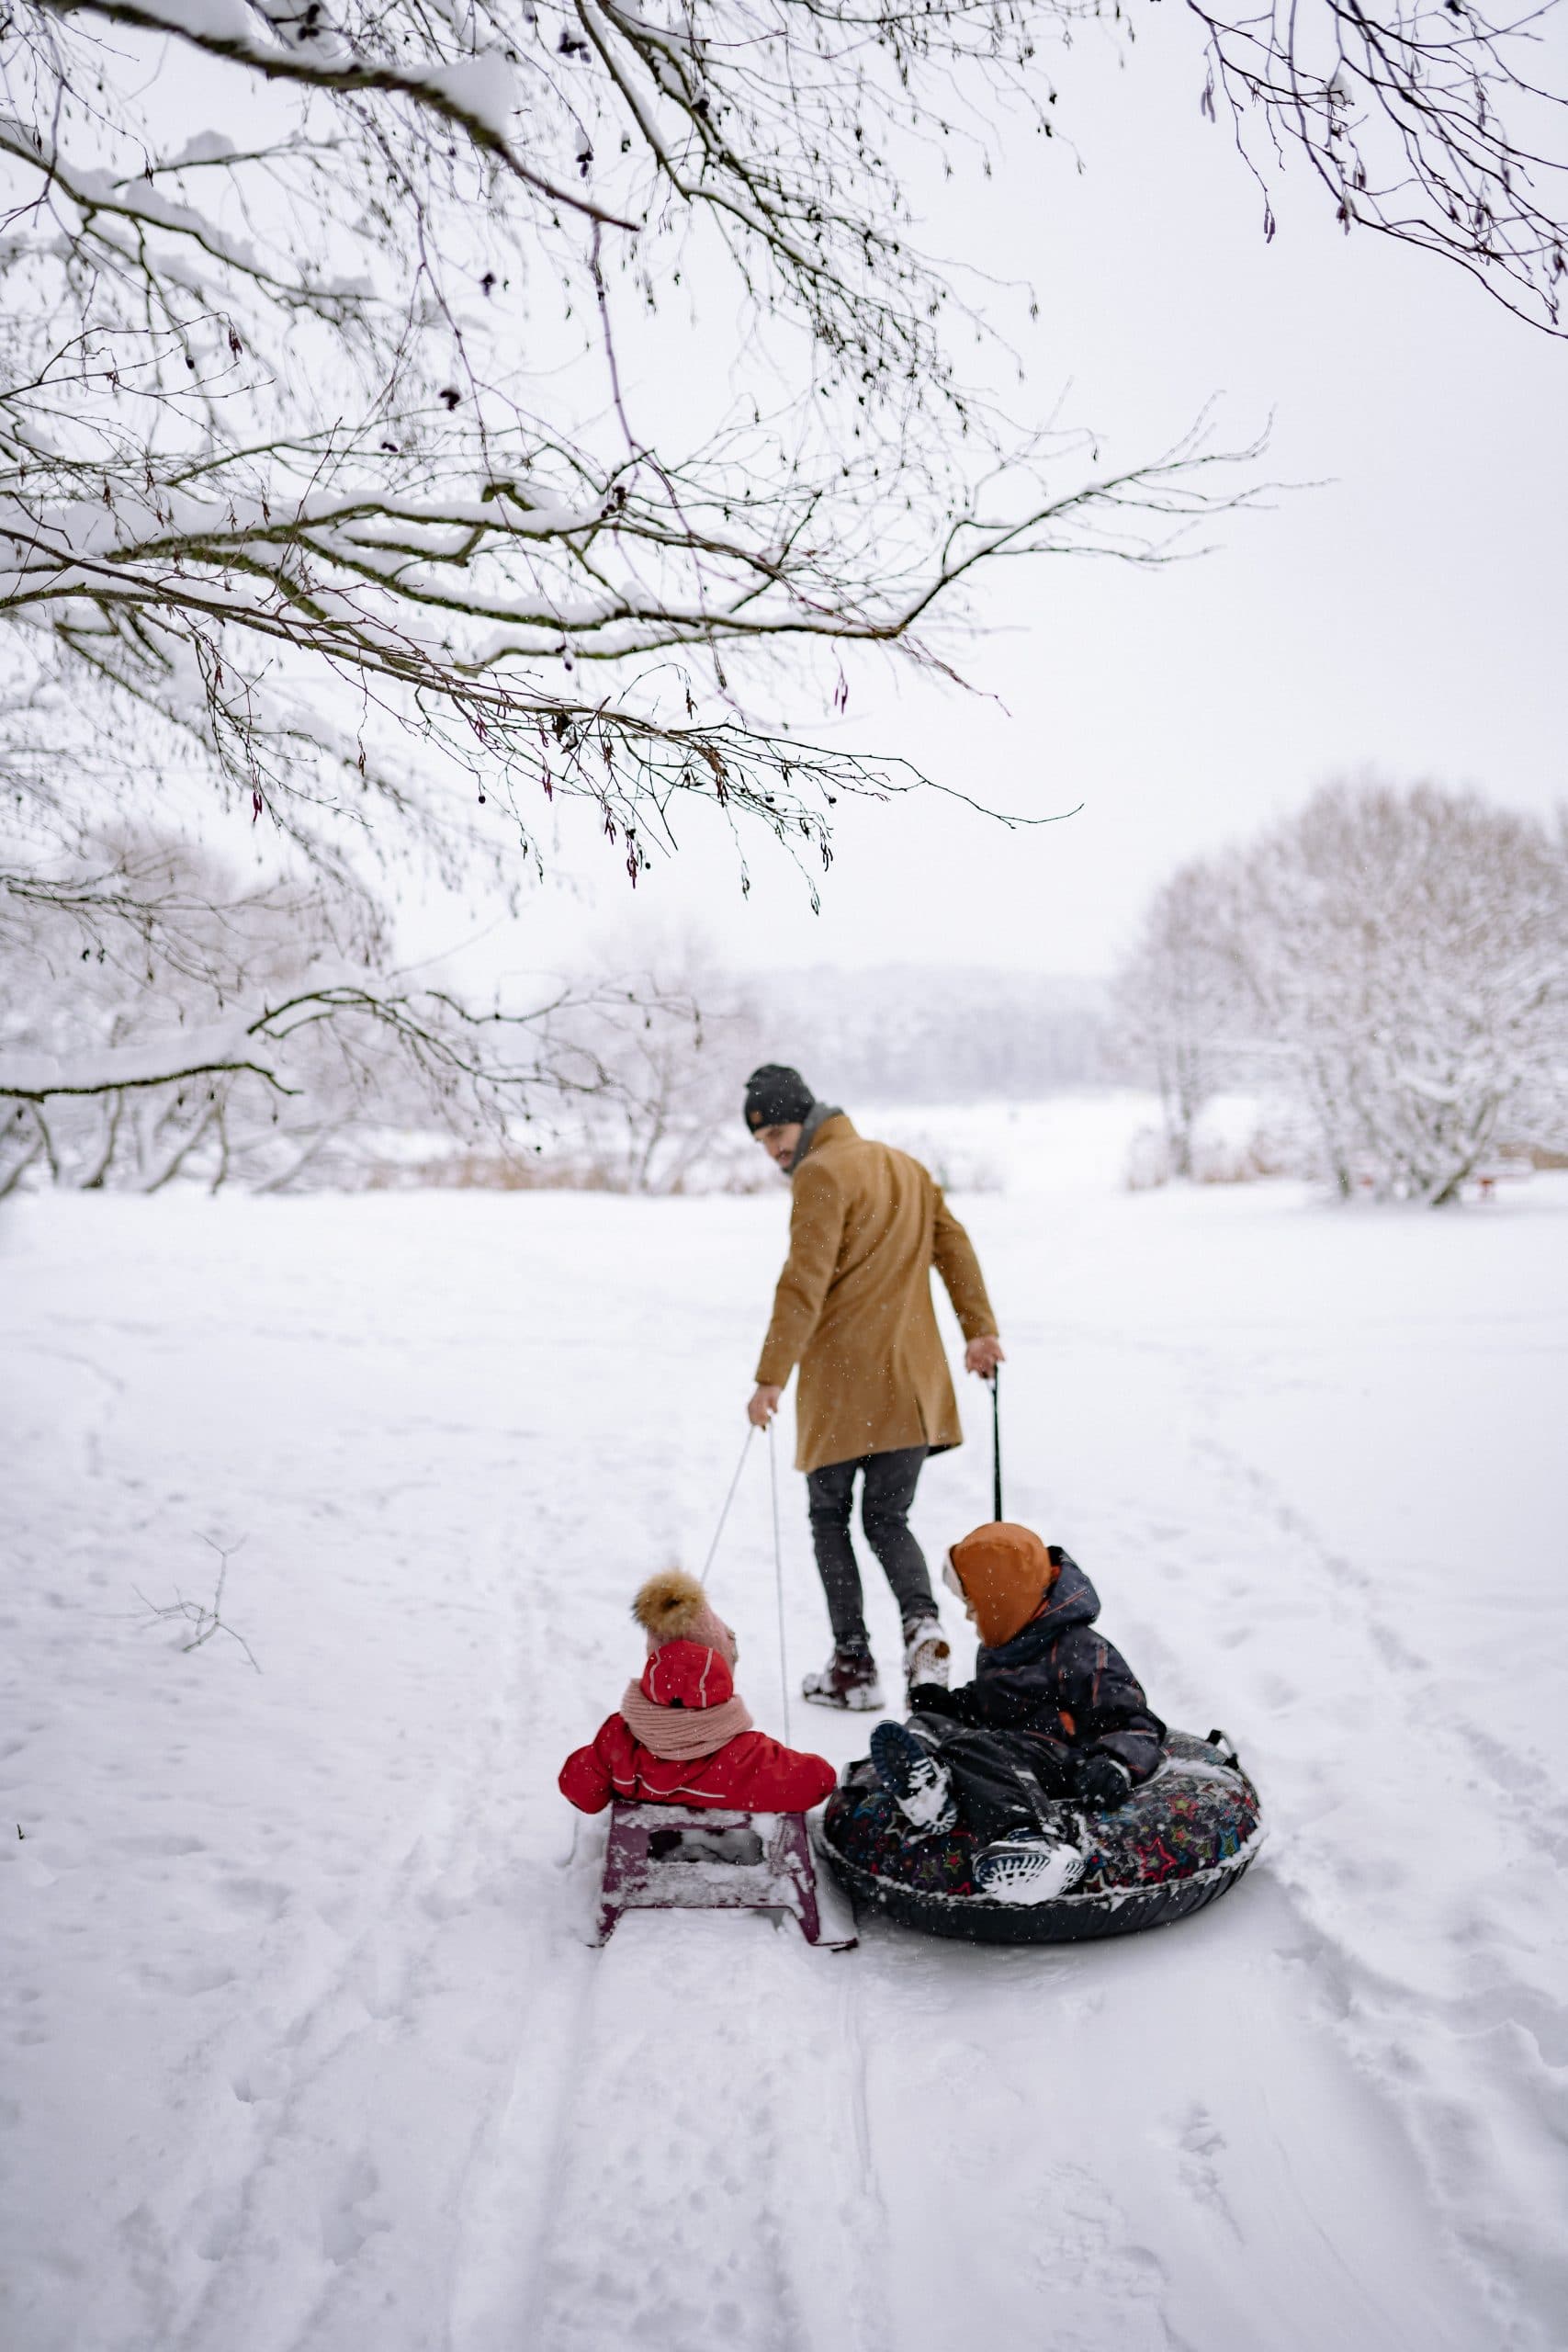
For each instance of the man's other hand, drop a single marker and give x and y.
(981, 1355)
(763, 1406)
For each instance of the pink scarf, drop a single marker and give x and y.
(677, 1734)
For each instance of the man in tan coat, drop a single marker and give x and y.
(854, 1311)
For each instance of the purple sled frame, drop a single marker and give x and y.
(684, 1879)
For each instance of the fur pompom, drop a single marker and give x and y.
(670, 1606)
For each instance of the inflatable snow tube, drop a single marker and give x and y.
(1183, 1838)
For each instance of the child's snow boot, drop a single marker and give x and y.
(926, 1652)
(1027, 1866)
(848, 1680)
(919, 1782)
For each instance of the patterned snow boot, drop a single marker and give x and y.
(1027, 1866)
(848, 1680)
(919, 1782)
(926, 1654)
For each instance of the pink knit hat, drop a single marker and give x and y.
(673, 1607)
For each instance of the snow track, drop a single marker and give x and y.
(306, 2050)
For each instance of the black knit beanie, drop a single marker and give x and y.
(776, 1097)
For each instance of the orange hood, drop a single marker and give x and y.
(1006, 1572)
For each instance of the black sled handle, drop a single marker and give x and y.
(997, 1441)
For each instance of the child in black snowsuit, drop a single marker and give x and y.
(1054, 1711)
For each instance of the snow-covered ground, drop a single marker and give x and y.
(304, 2048)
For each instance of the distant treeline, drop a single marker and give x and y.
(909, 1032)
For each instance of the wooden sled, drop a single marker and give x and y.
(695, 1858)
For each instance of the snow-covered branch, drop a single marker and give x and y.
(1424, 119)
(326, 339)
(474, 94)
(158, 1020)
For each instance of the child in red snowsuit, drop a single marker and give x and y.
(682, 1735)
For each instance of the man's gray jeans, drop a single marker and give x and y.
(886, 1494)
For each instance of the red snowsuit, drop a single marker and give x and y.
(750, 1772)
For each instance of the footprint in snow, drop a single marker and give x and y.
(345, 2227)
(215, 2237)
(1200, 2144)
(189, 1981)
(266, 2078)
(252, 1898)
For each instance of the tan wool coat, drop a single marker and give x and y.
(853, 1306)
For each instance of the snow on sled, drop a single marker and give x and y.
(1183, 1838)
(693, 1858)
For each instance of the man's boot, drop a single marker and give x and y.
(926, 1654)
(849, 1680)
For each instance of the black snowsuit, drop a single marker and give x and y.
(1038, 1706)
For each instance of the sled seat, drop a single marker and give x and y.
(697, 1858)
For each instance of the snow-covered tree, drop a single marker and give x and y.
(1179, 999)
(160, 1019)
(1409, 954)
(675, 1039)
(1397, 960)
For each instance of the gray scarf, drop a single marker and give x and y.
(808, 1127)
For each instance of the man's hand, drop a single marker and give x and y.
(763, 1406)
(982, 1356)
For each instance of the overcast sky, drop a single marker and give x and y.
(1406, 614)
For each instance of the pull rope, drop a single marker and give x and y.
(778, 1578)
(996, 1440)
(724, 1514)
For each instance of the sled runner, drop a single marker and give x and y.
(1181, 1840)
(692, 1858)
